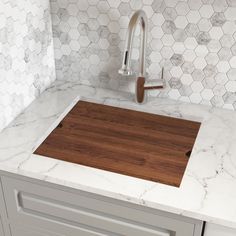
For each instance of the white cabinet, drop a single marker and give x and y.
(217, 230)
(4, 226)
(1, 227)
(60, 211)
(38, 209)
(27, 231)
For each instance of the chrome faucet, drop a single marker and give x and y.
(138, 16)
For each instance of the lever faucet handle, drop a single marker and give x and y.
(153, 86)
(140, 87)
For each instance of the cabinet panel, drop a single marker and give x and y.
(217, 230)
(25, 231)
(1, 228)
(4, 226)
(86, 214)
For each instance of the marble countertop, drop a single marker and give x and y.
(208, 188)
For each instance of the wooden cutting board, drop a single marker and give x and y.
(133, 143)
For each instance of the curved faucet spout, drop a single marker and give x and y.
(138, 16)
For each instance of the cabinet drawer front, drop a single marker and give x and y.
(69, 213)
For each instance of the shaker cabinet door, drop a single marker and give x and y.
(25, 231)
(1, 228)
(217, 230)
(67, 213)
(4, 224)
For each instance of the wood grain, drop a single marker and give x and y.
(137, 144)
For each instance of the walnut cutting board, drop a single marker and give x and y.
(138, 144)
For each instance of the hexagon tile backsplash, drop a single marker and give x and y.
(26, 54)
(194, 39)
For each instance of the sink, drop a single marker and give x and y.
(137, 144)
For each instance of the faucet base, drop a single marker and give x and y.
(140, 87)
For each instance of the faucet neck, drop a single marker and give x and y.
(138, 16)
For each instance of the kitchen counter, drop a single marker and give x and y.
(208, 188)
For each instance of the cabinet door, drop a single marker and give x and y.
(79, 213)
(217, 230)
(25, 231)
(4, 224)
(1, 228)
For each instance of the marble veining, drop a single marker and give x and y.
(207, 191)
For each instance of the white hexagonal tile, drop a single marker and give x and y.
(231, 74)
(124, 22)
(103, 44)
(206, 11)
(186, 79)
(190, 43)
(167, 40)
(62, 3)
(233, 62)
(197, 86)
(92, 12)
(82, 5)
(214, 46)
(65, 49)
(229, 27)
(201, 50)
(94, 59)
(176, 71)
(148, 10)
(74, 33)
(103, 6)
(113, 3)
(157, 19)
(178, 47)
(231, 86)
(84, 41)
(114, 14)
(156, 44)
(166, 52)
(207, 94)
(114, 27)
(103, 19)
(181, 22)
(155, 56)
(157, 32)
(212, 58)
(200, 63)
(189, 55)
(72, 9)
(73, 21)
(216, 33)
(223, 66)
(182, 8)
(195, 98)
(174, 94)
(194, 4)
(74, 45)
(204, 25)
(193, 16)
(230, 13)
(171, 3)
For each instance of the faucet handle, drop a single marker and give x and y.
(153, 84)
(141, 88)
